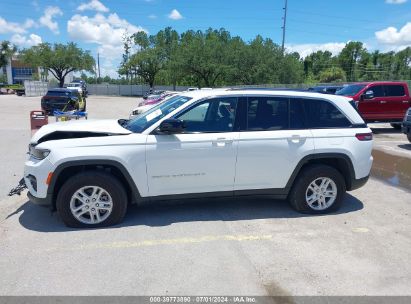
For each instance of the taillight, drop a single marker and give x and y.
(364, 136)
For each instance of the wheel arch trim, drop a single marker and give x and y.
(318, 156)
(97, 162)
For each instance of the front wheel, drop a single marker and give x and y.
(92, 199)
(409, 137)
(318, 189)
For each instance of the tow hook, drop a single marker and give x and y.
(19, 188)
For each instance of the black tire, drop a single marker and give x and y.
(396, 126)
(92, 178)
(409, 137)
(297, 197)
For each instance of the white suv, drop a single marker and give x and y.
(307, 147)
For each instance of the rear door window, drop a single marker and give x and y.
(267, 113)
(323, 114)
(394, 90)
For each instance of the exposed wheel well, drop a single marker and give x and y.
(339, 163)
(70, 171)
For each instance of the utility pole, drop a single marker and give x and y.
(98, 63)
(284, 24)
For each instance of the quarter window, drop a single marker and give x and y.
(267, 113)
(323, 114)
(214, 115)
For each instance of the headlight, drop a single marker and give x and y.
(38, 153)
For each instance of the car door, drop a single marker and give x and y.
(396, 103)
(373, 108)
(272, 142)
(200, 160)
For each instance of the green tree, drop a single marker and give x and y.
(204, 56)
(168, 40)
(403, 64)
(333, 74)
(349, 58)
(7, 50)
(59, 59)
(317, 62)
(291, 69)
(147, 63)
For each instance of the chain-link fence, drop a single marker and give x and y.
(38, 88)
(127, 90)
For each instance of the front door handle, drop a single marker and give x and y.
(383, 101)
(405, 101)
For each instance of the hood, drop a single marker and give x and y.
(78, 129)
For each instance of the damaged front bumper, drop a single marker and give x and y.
(19, 188)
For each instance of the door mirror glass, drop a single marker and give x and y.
(369, 94)
(172, 126)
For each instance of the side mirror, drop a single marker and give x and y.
(172, 126)
(369, 94)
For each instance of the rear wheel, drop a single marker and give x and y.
(409, 137)
(318, 189)
(92, 199)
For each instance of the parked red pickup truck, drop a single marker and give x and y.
(380, 101)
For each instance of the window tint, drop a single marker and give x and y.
(214, 115)
(378, 90)
(394, 90)
(267, 113)
(323, 114)
(297, 120)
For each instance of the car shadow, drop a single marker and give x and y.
(405, 147)
(388, 130)
(41, 219)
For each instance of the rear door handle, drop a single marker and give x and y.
(296, 138)
(405, 101)
(222, 142)
(383, 101)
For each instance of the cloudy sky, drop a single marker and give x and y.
(99, 25)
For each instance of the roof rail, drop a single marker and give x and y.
(266, 89)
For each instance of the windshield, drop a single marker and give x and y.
(147, 119)
(350, 90)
